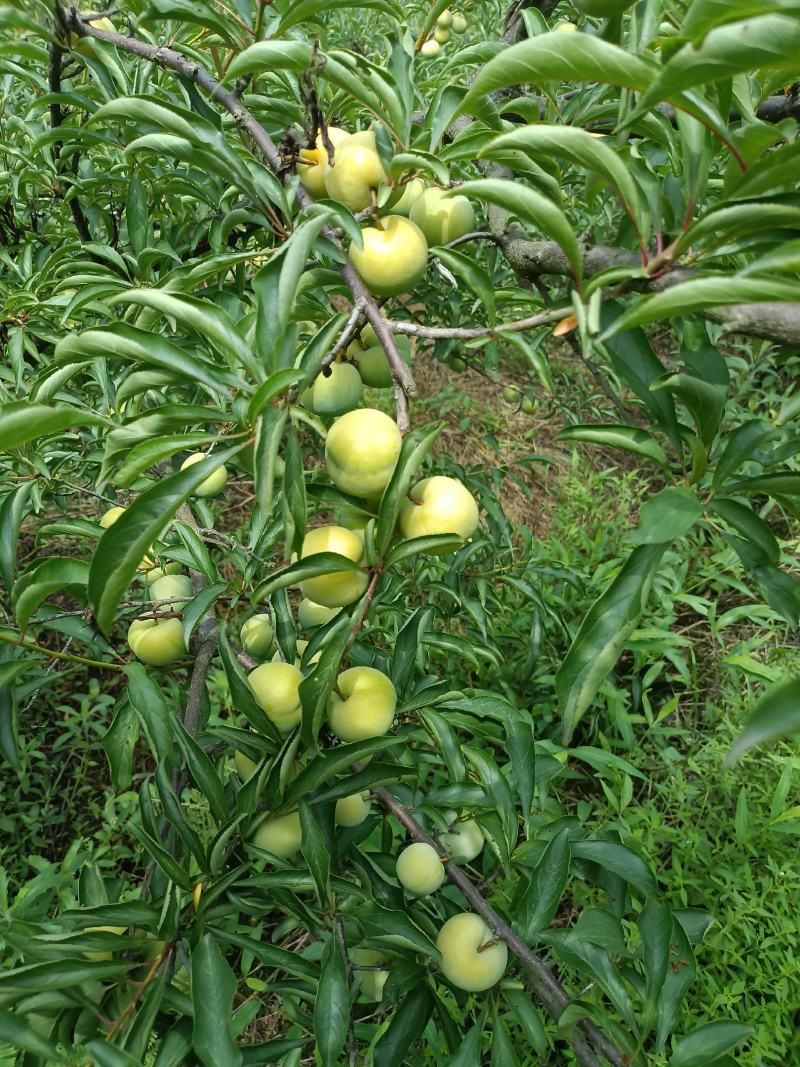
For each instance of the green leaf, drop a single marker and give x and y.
(655, 929)
(620, 859)
(12, 512)
(667, 516)
(331, 1004)
(474, 276)
(413, 451)
(276, 385)
(105, 1055)
(201, 317)
(315, 853)
(602, 635)
(750, 525)
(21, 421)
(704, 15)
(578, 147)
(405, 1028)
(707, 1043)
(119, 340)
(123, 545)
(700, 293)
(776, 715)
(538, 905)
(308, 10)
(324, 767)
(395, 928)
(17, 1033)
(628, 438)
(741, 444)
(530, 207)
(148, 453)
(705, 402)
(213, 991)
(203, 772)
(54, 575)
(767, 42)
(60, 974)
(556, 57)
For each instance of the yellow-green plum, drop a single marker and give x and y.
(276, 687)
(439, 505)
(99, 956)
(394, 256)
(565, 27)
(335, 390)
(469, 959)
(442, 218)
(463, 841)
(158, 643)
(419, 869)
(370, 981)
(340, 587)
(441, 35)
(445, 19)
(214, 483)
(365, 707)
(459, 23)
(311, 615)
(409, 193)
(244, 765)
(171, 586)
(153, 575)
(431, 48)
(313, 166)
(357, 171)
(108, 518)
(352, 810)
(257, 636)
(361, 451)
(371, 361)
(279, 834)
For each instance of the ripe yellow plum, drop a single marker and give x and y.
(276, 687)
(394, 256)
(339, 588)
(419, 869)
(442, 218)
(157, 642)
(439, 505)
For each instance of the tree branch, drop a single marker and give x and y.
(547, 988)
(56, 119)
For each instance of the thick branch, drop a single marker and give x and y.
(169, 59)
(548, 989)
(774, 321)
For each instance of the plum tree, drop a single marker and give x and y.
(337, 390)
(257, 636)
(353, 810)
(279, 834)
(463, 841)
(188, 276)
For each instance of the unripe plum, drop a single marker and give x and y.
(439, 505)
(335, 390)
(279, 834)
(464, 841)
(394, 256)
(339, 588)
(157, 642)
(361, 451)
(442, 218)
(466, 963)
(276, 687)
(352, 810)
(366, 705)
(214, 483)
(419, 869)
(257, 636)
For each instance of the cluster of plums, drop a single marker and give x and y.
(395, 247)
(446, 23)
(361, 450)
